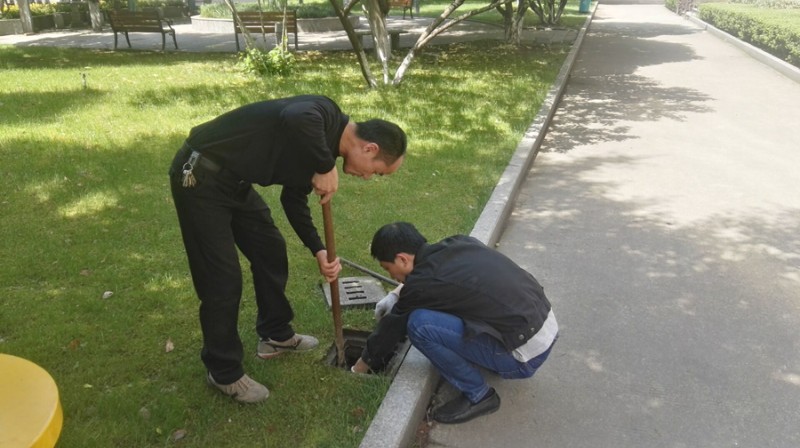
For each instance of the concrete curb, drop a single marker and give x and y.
(762, 56)
(407, 399)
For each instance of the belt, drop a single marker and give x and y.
(208, 164)
(200, 160)
(194, 159)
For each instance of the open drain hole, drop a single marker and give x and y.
(354, 343)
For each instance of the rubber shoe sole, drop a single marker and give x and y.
(245, 390)
(460, 410)
(298, 343)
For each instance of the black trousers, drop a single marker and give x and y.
(216, 216)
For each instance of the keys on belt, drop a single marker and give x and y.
(188, 176)
(197, 159)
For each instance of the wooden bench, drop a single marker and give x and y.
(266, 22)
(124, 21)
(405, 4)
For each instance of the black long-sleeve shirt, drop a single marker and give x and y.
(462, 276)
(278, 142)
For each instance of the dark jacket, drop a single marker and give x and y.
(278, 142)
(462, 276)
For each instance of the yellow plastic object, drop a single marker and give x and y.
(30, 411)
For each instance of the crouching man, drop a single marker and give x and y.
(462, 305)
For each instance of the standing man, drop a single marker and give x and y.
(462, 305)
(292, 142)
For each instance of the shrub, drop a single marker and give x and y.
(158, 3)
(305, 11)
(106, 5)
(771, 4)
(775, 31)
(278, 61)
(12, 12)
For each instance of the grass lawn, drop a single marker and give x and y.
(86, 209)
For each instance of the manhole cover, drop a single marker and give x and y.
(361, 292)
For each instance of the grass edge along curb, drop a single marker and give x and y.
(746, 24)
(783, 67)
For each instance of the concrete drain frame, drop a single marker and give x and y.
(354, 343)
(356, 292)
(360, 292)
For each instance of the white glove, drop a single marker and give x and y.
(385, 305)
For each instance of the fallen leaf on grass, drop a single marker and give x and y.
(74, 344)
(178, 435)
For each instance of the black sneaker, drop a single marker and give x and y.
(461, 409)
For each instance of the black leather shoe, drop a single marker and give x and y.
(461, 409)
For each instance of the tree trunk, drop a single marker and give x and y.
(506, 12)
(549, 13)
(25, 16)
(354, 41)
(377, 23)
(517, 21)
(434, 29)
(536, 6)
(249, 42)
(561, 5)
(96, 16)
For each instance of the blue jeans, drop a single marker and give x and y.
(440, 337)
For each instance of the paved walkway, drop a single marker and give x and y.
(662, 216)
(191, 40)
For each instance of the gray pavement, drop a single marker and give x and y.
(662, 216)
(194, 39)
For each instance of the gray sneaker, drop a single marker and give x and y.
(245, 390)
(297, 343)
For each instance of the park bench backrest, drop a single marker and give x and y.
(139, 21)
(403, 5)
(265, 22)
(254, 21)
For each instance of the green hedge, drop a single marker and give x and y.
(304, 11)
(106, 5)
(37, 9)
(12, 12)
(776, 31)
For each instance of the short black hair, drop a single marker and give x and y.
(395, 238)
(391, 139)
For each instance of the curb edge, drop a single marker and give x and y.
(397, 418)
